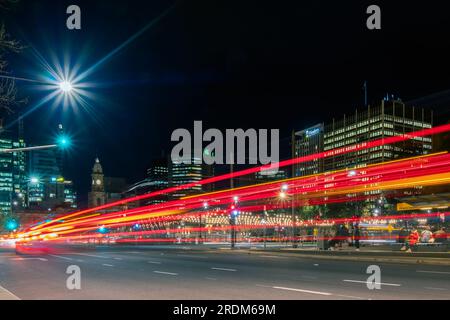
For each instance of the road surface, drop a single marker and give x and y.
(183, 273)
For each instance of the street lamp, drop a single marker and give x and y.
(63, 141)
(11, 225)
(66, 86)
(34, 180)
(233, 217)
(205, 206)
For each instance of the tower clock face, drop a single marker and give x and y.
(98, 182)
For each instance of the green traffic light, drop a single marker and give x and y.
(63, 142)
(11, 225)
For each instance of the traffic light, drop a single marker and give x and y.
(11, 225)
(63, 142)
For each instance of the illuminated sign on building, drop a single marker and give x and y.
(312, 132)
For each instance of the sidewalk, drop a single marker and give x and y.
(365, 255)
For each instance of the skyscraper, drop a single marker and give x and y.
(47, 188)
(157, 179)
(390, 118)
(182, 173)
(12, 176)
(306, 142)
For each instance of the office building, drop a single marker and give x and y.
(12, 176)
(304, 143)
(181, 174)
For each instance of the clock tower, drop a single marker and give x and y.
(97, 196)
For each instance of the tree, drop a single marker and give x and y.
(8, 89)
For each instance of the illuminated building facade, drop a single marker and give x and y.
(181, 173)
(157, 179)
(46, 187)
(307, 142)
(12, 176)
(390, 118)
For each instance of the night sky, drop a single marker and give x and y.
(232, 64)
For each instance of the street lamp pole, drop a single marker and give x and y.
(264, 229)
(48, 146)
(294, 243)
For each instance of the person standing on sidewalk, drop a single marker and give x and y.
(413, 238)
(356, 235)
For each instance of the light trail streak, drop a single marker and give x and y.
(344, 189)
(334, 152)
(301, 223)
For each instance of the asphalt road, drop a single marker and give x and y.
(183, 273)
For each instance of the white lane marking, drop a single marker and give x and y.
(431, 271)
(269, 256)
(168, 273)
(315, 264)
(350, 297)
(91, 255)
(224, 269)
(116, 258)
(5, 294)
(107, 265)
(154, 262)
(304, 291)
(432, 288)
(21, 259)
(381, 283)
(208, 278)
(61, 257)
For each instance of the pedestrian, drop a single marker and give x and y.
(356, 235)
(426, 235)
(412, 240)
(440, 236)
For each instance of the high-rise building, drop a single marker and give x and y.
(46, 187)
(12, 176)
(158, 174)
(390, 118)
(307, 142)
(157, 179)
(182, 173)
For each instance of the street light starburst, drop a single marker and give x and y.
(66, 86)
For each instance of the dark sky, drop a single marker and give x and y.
(232, 64)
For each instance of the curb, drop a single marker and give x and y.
(405, 260)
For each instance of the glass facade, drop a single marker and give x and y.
(390, 118)
(307, 142)
(12, 176)
(180, 174)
